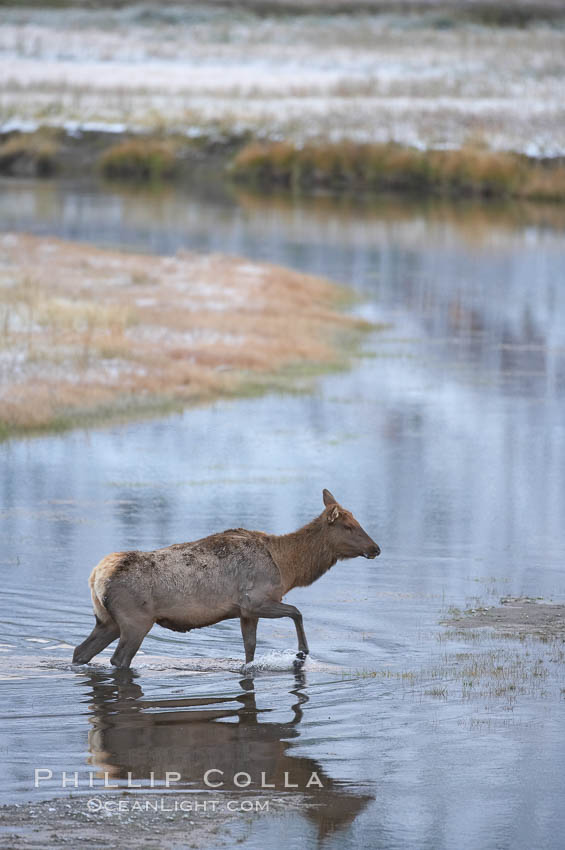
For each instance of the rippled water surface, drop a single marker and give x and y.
(447, 441)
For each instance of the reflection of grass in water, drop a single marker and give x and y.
(474, 220)
(440, 693)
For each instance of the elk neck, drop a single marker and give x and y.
(304, 555)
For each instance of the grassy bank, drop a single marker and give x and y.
(140, 159)
(390, 167)
(125, 156)
(88, 335)
(37, 154)
(344, 166)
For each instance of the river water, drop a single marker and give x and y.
(447, 441)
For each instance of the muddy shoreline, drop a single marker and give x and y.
(129, 820)
(515, 617)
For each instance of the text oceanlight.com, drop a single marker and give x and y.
(170, 804)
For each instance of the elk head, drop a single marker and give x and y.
(346, 536)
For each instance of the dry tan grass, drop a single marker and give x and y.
(30, 153)
(470, 171)
(85, 331)
(140, 159)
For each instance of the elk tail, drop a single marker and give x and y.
(99, 580)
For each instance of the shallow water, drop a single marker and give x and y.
(447, 441)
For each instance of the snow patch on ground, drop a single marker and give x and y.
(367, 77)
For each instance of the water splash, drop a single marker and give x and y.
(278, 660)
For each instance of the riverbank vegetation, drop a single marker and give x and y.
(389, 167)
(140, 159)
(344, 166)
(30, 154)
(90, 335)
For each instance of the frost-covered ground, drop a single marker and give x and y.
(384, 76)
(81, 328)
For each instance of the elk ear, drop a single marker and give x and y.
(328, 498)
(333, 514)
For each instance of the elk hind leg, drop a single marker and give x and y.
(131, 638)
(101, 635)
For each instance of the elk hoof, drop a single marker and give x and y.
(298, 662)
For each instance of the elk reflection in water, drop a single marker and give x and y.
(135, 735)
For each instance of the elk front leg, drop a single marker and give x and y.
(281, 609)
(249, 634)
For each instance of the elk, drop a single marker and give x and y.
(236, 573)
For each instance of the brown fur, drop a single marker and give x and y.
(305, 555)
(236, 573)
